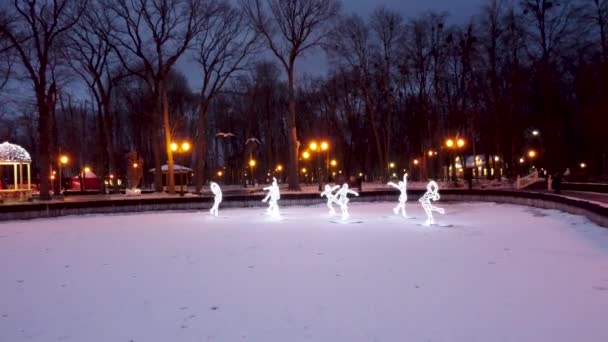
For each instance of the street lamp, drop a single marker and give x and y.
(325, 148)
(182, 148)
(252, 164)
(416, 161)
(85, 170)
(454, 144)
(63, 160)
(531, 153)
(583, 165)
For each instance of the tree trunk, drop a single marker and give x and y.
(200, 143)
(167, 129)
(43, 147)
(292, 136)
(157, 142)
(372, 118)
(101, 171)
(110, 145)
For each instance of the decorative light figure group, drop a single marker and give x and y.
(341, 198)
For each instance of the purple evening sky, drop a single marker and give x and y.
(315, 63)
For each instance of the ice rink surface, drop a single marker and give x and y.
(497, 273)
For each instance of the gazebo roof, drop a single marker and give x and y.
(13, 153)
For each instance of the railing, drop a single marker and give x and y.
(522, 182)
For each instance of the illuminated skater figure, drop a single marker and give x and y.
(432, 194)
(272, 197)
(331, 198)
(401, 186)
(342, 199)
(215, 189)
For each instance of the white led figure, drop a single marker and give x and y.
(272, 197)
(402, 187)
(217, 191)
(342, 199)
(331, 198)
(432, 194)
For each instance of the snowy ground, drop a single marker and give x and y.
(500, 273)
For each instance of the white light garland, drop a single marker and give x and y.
(402, 187)
(272, 197)
(13, 153)
(217, 191)
(431, 194)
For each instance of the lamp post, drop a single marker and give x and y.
(182, 148)
(252, 163)
(456, 144)
(63, 160)
(305, 156)
(333, 164)
(323, 146)
(84, 177)
(279, 170)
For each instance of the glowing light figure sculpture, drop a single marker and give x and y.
(342, 199)
(431, 194)
(331, 198)
(402, 187)
(217, 191)
(272, 197)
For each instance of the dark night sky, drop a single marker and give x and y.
(315, 63)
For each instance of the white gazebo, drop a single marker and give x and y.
(15, 157)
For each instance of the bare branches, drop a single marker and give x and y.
(291, 27)
(224, 47)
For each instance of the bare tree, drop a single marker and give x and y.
(224, 47)
(90, 54)
(156, 33)
(290, 28)
(597, 15)
(389, 31)
(351, 46)
(35, 30)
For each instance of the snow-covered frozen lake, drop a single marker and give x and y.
(499, 273)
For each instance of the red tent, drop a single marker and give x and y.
(91, 182)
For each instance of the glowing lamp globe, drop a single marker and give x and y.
(324, 146)
(460, 143)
